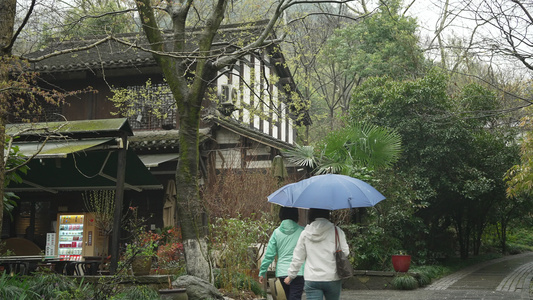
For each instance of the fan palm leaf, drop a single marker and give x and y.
(350, 148)
(302, 156)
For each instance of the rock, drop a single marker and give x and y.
(197, 288)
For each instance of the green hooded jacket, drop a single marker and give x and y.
(281, 244)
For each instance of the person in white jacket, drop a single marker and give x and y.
(316, 247)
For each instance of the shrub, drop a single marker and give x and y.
(423, 279)
(243, 282)
(14, 288)
(517, 249)
(238, 193)
(234, 248)
(45, 286)
(521, 236)
(170, 253)
(371, 246)
(430, 272)
(404, 282)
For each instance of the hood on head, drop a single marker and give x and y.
(288, 227)
(318, 230)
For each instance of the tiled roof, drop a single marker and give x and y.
(160, 140)
(113, 54)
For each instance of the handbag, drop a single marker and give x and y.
(344, 267)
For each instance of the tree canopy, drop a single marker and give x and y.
(383, 43)
(453, 157)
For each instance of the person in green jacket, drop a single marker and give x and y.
(281, 244)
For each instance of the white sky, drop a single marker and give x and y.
(428, 14)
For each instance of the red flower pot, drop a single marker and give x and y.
(401, 263)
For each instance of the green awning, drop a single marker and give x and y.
(52, 149)
(81, 165)
(82, 128)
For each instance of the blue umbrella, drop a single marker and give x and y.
(329, 191)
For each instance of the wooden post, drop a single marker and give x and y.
(119, 199)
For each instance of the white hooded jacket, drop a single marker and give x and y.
(316, 247)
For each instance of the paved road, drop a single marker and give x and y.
(506, 278)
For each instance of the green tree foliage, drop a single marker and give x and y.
(358, 145)
(331, 55)
(389, 227)
(127, 100)
(519, 180)
(454, 154)
(520, 176)
(483, 41)
(14, 168)
(384, 43)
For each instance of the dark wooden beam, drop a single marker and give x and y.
(119, 198)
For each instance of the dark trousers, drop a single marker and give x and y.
(294, 290)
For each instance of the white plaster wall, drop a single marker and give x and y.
(266, 98)
(227, 137)
(232, 159)
(244, 96)
(257, 88)
(262, 164)
(246, 93)
(275, 116)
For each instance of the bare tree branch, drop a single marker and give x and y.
(24, 22)
(71, 50)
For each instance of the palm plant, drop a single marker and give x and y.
(349, 150)
(303, 156)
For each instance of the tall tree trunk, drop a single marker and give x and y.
(2, 165)
(463, 234)
(188, 98)
(504, 238)
(190, 210)
(7, 21)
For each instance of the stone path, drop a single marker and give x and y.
(500, 279)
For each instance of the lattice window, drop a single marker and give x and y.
(154, 107)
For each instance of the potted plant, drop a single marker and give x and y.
(401, 262)
(143, 246)
(141, 252)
